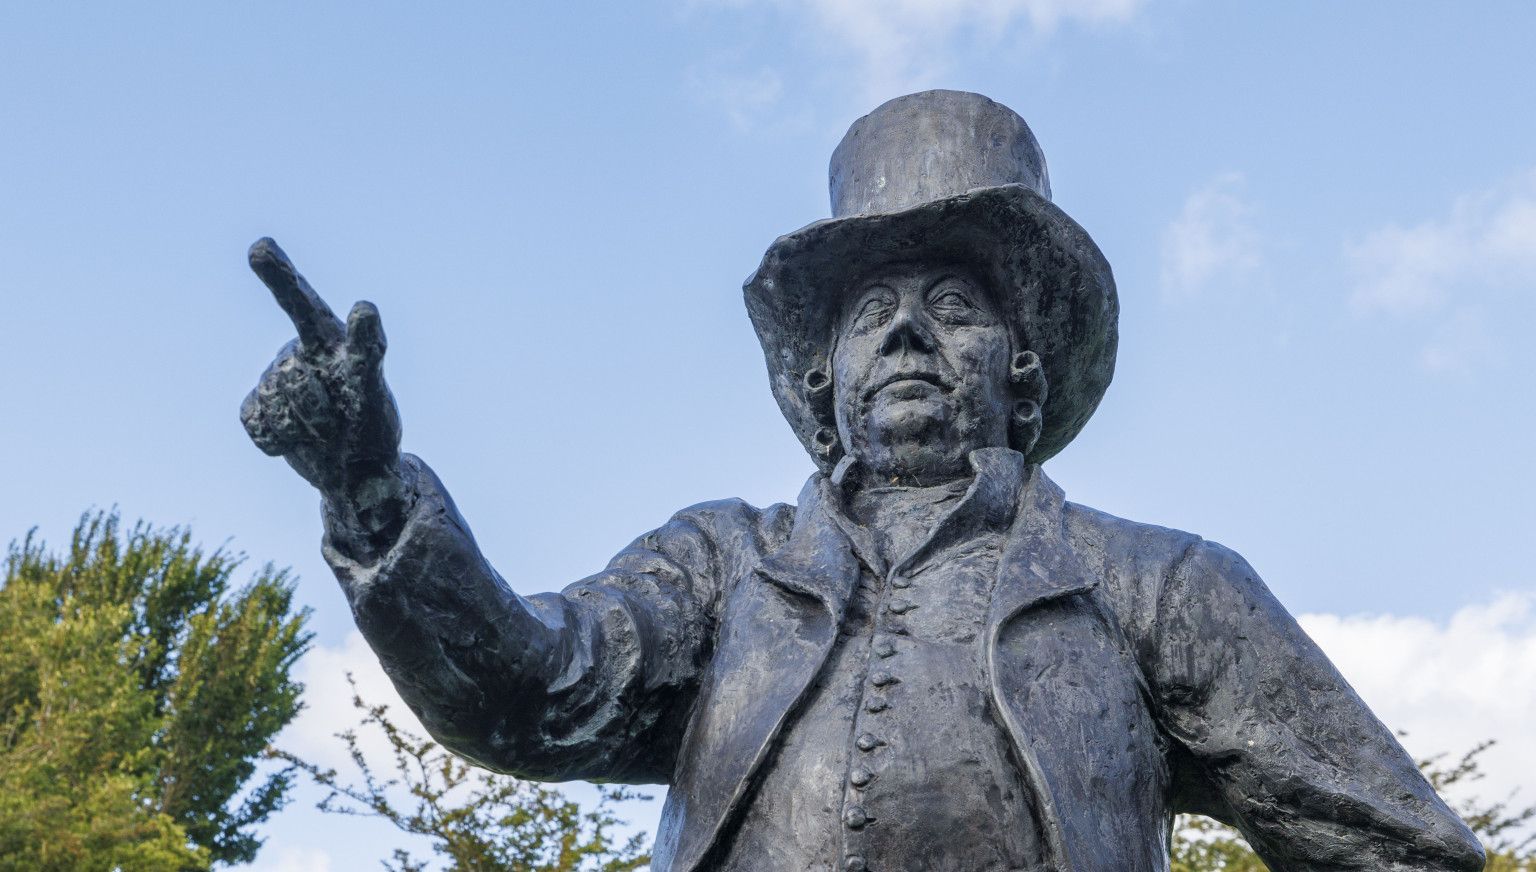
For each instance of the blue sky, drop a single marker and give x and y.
(1322, 219)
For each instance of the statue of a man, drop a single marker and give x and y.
(932, 661)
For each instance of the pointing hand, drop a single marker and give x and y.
(323, 404)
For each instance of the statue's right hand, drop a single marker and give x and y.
(323, 404)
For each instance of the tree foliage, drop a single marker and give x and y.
(138, 688)
(477, 821)
(1203, 845)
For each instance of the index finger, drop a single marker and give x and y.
(318, 326)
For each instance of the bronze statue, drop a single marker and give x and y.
(932, 661)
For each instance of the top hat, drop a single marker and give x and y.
(951, 176)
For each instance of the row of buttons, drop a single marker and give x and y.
(855, 817)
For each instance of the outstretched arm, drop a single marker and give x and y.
(595, 682)
(592, 683)
(1272, 739)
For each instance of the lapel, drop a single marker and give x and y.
(817, 560)
(1037, 564)
(774, 640)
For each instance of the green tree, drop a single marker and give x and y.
(138, 689)
(477, 821)
(1203, 845)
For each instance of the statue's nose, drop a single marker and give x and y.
(908, 331)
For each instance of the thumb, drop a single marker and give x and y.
(365, 333)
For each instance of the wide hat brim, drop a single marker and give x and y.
(1057, 291)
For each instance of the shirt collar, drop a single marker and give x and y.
(990, 504)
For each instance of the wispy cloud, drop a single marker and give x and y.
(312, 737)
(328, 705)
(1462, 342)
(328, 710)
(293, 860)
(1488, 238)
(1213, 241)
(905, 44)
(1451, 271)
(902, 45)
(1451, 684)
(747, 99)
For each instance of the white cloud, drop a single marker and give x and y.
(1462, 342)
(1487, 239)
(745, 98)
(328, 705)
(1449, 684)
(1450, 271)
(328, 710)
(294, 860)
(1212, 241)
(1404, 269)
(902, 45)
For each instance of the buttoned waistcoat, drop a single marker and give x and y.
(1138, 672)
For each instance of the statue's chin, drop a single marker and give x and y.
(896, 417)
(913, 440)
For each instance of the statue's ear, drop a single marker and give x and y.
(1027, 376)
(1029, 388)
(816, 385)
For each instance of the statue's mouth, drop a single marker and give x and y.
(909, 385)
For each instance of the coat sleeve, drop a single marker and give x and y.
(1271, 739)
(592, 683)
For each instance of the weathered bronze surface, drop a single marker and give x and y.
(933, 661)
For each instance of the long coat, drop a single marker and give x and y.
(1137, 671)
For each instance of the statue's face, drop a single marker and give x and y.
(920, 373)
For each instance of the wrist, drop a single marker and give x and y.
(366, 514)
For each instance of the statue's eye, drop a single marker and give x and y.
(951, 300)
(873, 310)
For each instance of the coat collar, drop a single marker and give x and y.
(1038, 564)
(817, 560)
(1007, 493)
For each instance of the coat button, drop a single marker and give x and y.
(868, 742)
(855, 818)
(901, 606)
(855, 863)
(885, 648)
(876, 704)
(882, 679)
(860, 776)
(901, 581)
